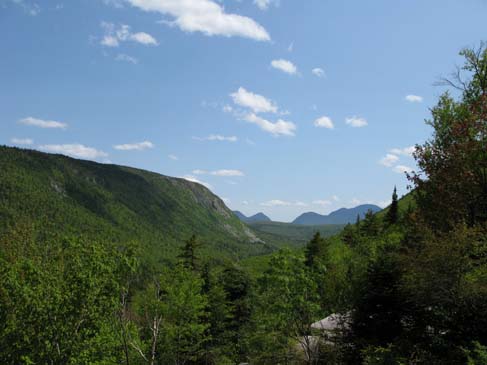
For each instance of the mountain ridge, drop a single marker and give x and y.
(258, 217)
(56, 194)
(340, 216)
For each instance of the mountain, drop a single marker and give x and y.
(45, 196)
(340, 216)
(259, 217)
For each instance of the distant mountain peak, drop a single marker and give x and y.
(340, 216)
(259, 217)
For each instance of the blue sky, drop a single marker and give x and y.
(279, 106)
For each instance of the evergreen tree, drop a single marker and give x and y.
(314, 250)
(188, 256)
(392, 215)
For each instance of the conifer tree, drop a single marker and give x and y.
(188, 256)
(314, 250)
(392, 215)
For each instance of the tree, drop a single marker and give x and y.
(173, 313)
(451, 184)
(392, 214)
(188, 256)
(314, 250)
(287, 306)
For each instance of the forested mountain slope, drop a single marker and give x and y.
(54, 195)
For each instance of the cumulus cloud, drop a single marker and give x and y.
(173, 157)
(389, 160)
(257, 103)
(114, 35)
(217, 137)
(75, 150)
(284, 66)
(22, 141)
(126, 58)
(139, 146)
(195, 180)
(414, 98)
(401, 169)
(324, 122)
(318, 72)
(281, 127)
(204, 16)
(406, 151)
(41, 123)
(356, 122)
(223, 172)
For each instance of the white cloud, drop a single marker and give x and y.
(324, 122)
(139, 146)
(217, 137)
(126, 58)
(256, 102)
(262, 4)
(114, 35)
(414, 98)
(195, 180)
(401, 169)
(245, 202)
(75, 150)
(227, 173)
(204, 16)
(43, 123)
(335, 198)
(318, 72)
(282, 203)
(290, 48)
(281, 127)
(223, 172)
(173, 157)
(275, 203)
(22, 141)
(323, 203)
(199, 172)
(406, 151)
(285, 66)
(356, 122)
(389, 160)
(226, 200)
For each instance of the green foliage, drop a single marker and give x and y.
(55, 302)
(286, 307)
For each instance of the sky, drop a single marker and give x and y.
(279, 106)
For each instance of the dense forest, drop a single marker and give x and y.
(407, 285)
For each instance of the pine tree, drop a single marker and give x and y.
(392, 215)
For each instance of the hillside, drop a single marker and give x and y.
(340, 216)
(293, 235)
(53, 195)
(259, 217)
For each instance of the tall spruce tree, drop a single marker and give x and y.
(392, 215)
